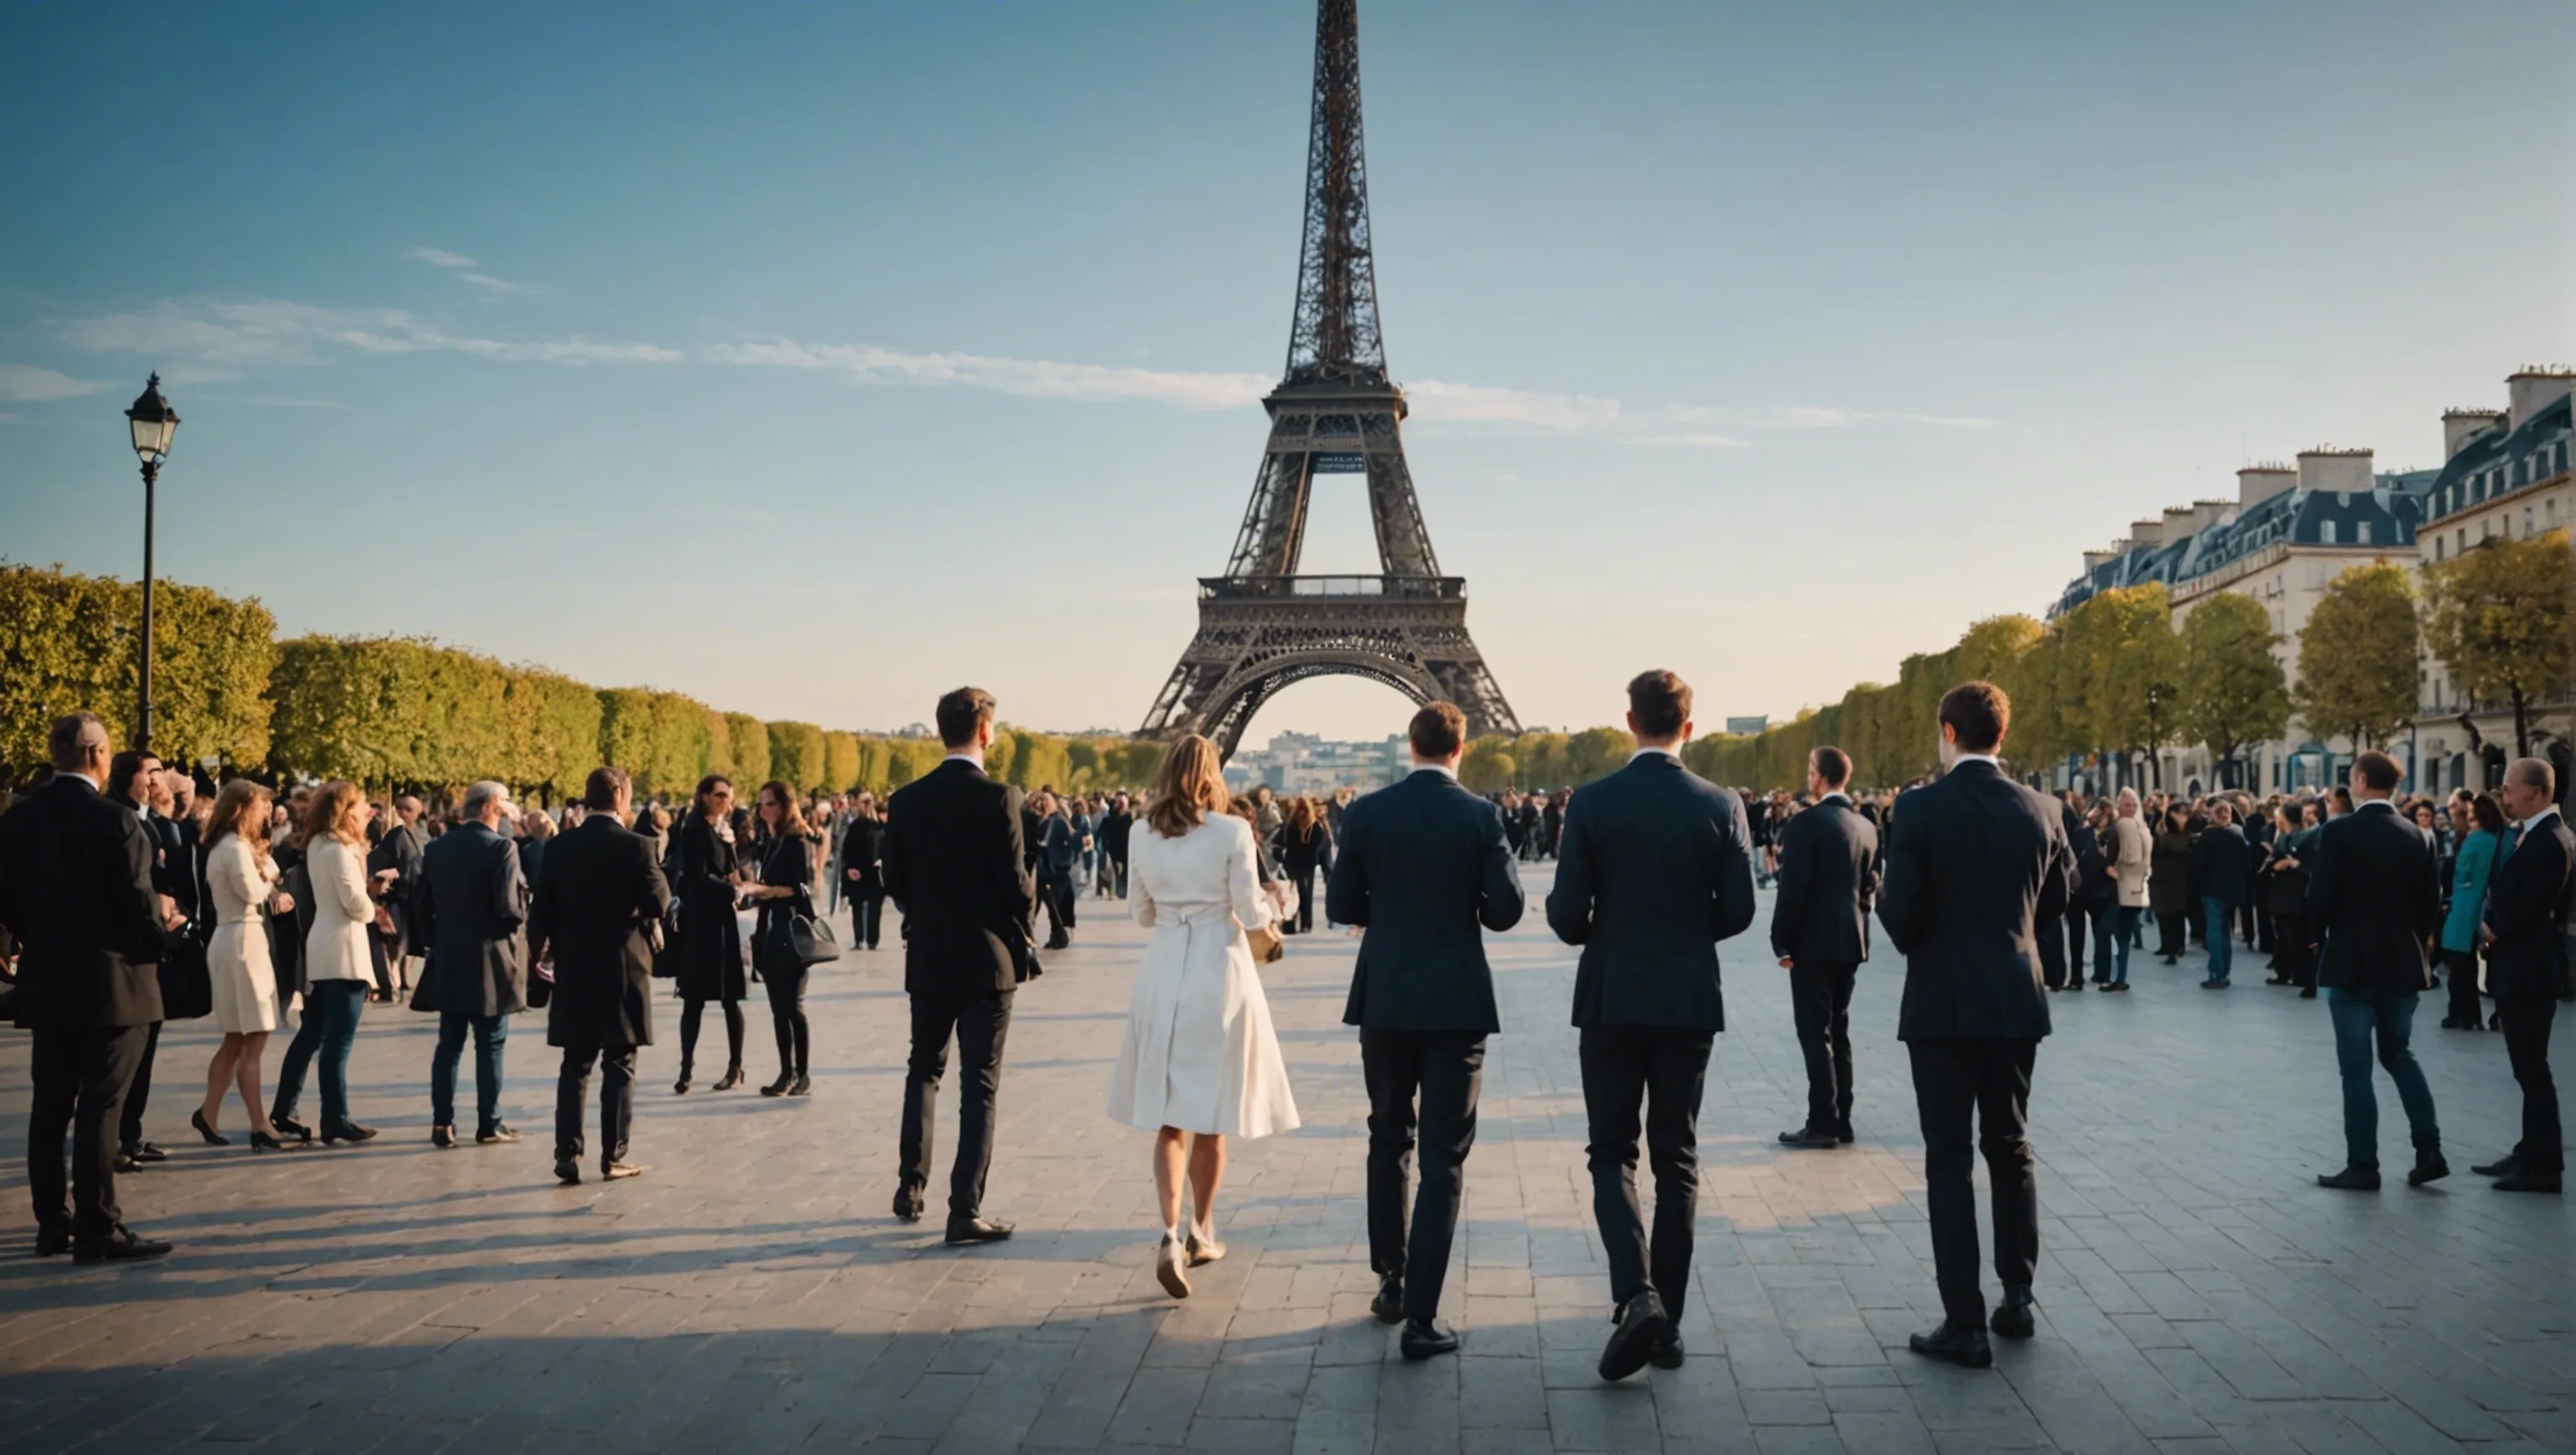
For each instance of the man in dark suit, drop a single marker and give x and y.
(469, 913)
(134, 781)
(76, 891)
(1977, 867)
(1422, 864)
(2375, 896)
(2222, 864)
(1654, 867)
(398, 853)
(2528, 902)
(599, 891)
(956, 866)
(1820, 932)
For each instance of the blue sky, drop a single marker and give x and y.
(813, 359)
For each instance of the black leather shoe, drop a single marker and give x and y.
(977, 1230)
(619, 1171)
(290, 1127)
(2504, 1166)
(442, 1137)
(120, 1246)
(779, 1087)
(1957, 1343)
(263, 1142)
(212, 1137)
(126, 1165)
(2429, 1167)
(1667, 1353)
(1641, 1323)
(681, 1086)
(500, 1134)
(147, 1152)
(2352, 1179)
(2525, 1179)
(802, 1086)
(1389, 1303)
(2308, 993)
(567, 1172)
(1843, 1134)
(2012, 1316)
(1809, 1138)
(908, 1204)
(1426, 1339)
(53, 1242)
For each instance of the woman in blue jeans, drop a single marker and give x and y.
(338, 967)
(2126, 849)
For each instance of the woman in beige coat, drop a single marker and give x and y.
(1200, 1061)
(338, 968)
(2129, 848)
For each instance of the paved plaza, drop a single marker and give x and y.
(2198, 1293)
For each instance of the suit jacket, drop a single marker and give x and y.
(958, 868)
(1420, 866)
(176, 875)
(1654, 868)
(2375, 890)
(469, 915)
(599, 889)
(400, 850)
(2528, 899)
(76, 890)
(1974, 863)
(1828, 880)
(2222, 864)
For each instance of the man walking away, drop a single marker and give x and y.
(2527, 911)
(1655, 866)
(2375, 894)
(1820, 932)
(599, 891)
(469, 914)
(2222, 864)
(76, 892)
(956, 868)
(1422, 864)
(1977, 868)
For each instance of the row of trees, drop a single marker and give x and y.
(406, 712)
(2115, 678)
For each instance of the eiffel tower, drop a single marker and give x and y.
(1262, 626)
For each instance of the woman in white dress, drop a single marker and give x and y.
(1200, 1062)
(241, 882)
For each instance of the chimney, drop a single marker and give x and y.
(2094, 560)
(2258, 483)
(2532, 390)
(2327, 468)
(2149, 532)
(2207, 513)
(2459, 426)
(2178, 523)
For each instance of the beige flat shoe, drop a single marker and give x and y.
(1204, 1250)
(1168, 1267)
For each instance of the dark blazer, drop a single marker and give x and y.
(1828, 880)
(469, 915)
(862, 849)
(2222, 864)
(2528, 900)
(957, 867)
(2375, 890)
(599, 889)
(76, 890)
(710, 946)
(401, 850)
(177, 876)
(1419, 866)
(1655, 866)
(1974, 863)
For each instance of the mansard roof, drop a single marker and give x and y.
(2384, 515)
(2497, 460)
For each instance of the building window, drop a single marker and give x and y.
(2326, 533)
(2463, 548)
(2438, 544)
(2364, 537)
(2526, 522)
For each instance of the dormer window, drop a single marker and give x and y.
(2326, 533)
(2364, 537)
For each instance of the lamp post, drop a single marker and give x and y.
(154, 423)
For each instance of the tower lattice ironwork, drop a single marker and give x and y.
(1262, 626)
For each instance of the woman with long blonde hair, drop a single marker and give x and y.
(338, 967)
(241, 889)
(1199, 1061)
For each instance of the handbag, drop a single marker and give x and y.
(1269, 947)
(802, 936)
(187, 984)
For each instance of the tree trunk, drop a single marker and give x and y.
(2521, 724)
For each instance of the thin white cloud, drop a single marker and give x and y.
(1696, 441)
(1817, 416)
(25, 384)
(486, 280)
(440, 257)
(275, 331)
(1441, 402)
(1030, 378)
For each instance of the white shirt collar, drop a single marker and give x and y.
(1830, 797)
(966, 755)
(1443, 769)
(2545, 813)
(1989, 759)
(1667, 752)
(2367, 804)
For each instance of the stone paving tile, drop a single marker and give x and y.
(749, 1294)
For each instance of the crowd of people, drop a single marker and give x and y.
(132, 898)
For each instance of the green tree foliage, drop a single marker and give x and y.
(1488, 766)
(2123, 665)
(2357, 674)
(2497, 617)
(70, 643)
(2234, 691)
(796, 754)
(840, 761)
(1596, 753)
(748, 739)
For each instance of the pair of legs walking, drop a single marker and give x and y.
(981, 1026)
(1974, 1096)
(236, 1064)
(490, 1034)
(2383, 1022)
(616, 1107)
(81, 1077)
(693, 1012)
(1409, 1249)
(328, 1031)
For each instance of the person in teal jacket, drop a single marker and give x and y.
(2482, 850)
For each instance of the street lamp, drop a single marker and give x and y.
(154, 423)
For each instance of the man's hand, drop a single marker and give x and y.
(1788, 962)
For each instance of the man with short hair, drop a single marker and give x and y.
(598, 894)
(76, 890)
(1115, 827)
(2528, 901)
(1976, 869)
(397, 853)
(1655, 867)
(957, 869)
(1820, 932)
(469, 916)
(134, 780)
(2222, 864)
(1422, 863)
(2375, 896)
